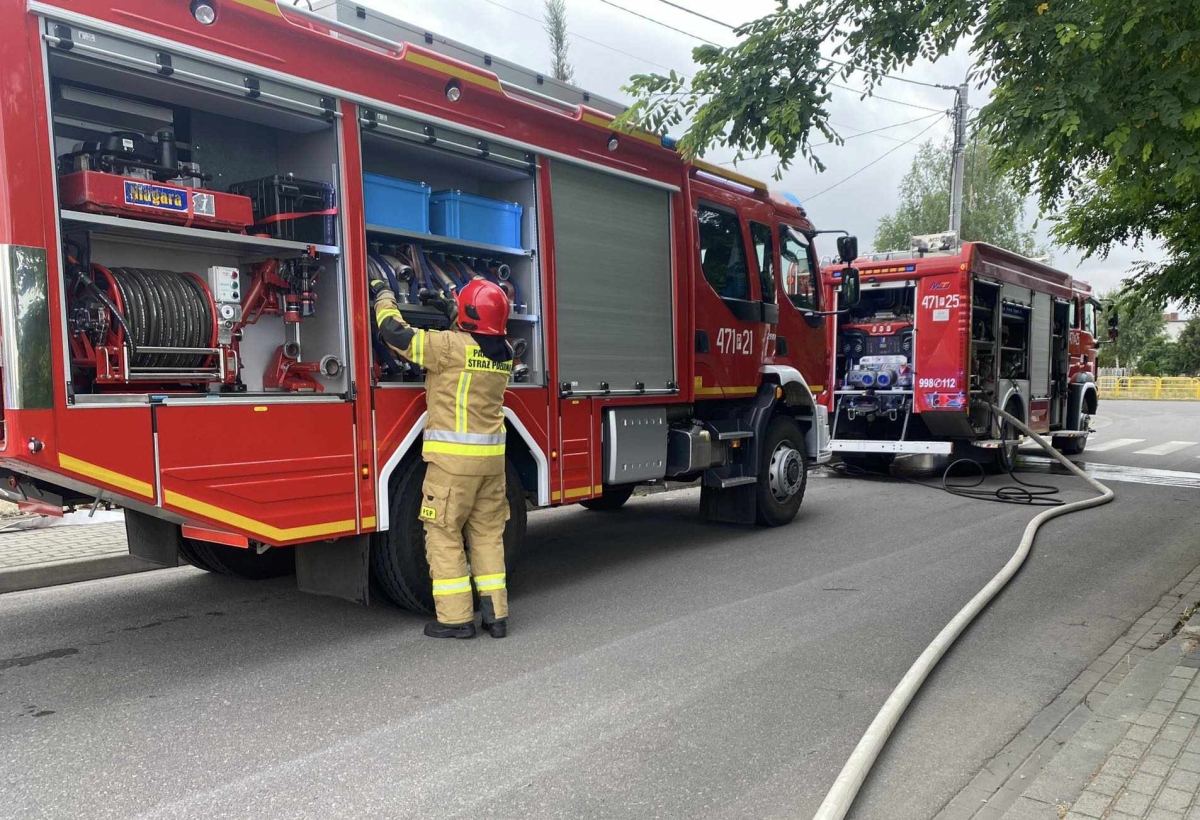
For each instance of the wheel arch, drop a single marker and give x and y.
(802, 405)
(527, 452)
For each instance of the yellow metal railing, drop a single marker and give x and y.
(1148, 387)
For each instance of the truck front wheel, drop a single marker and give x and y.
(783, 473)
(613, 498)
(398, 562)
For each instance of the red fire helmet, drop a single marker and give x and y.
(483, 308)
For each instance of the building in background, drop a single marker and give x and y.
(1174, 325)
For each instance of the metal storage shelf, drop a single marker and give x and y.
(194, 237)
(433, 240)
(524, 317)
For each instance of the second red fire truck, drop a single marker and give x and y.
(940, 334)
(192, 197)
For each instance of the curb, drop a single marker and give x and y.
(1007, 779)
(1064, 778)
(56, 573)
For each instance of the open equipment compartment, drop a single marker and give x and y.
(413, 160)
(174, 285)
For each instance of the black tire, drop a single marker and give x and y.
(869, 462)
(241, 562)
(783, 438)
(1074, 446)
(999, 460)
(398, 561)
(188, 553)
(613, 498)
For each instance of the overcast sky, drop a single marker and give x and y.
(608, 45)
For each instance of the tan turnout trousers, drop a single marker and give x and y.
(464, 442)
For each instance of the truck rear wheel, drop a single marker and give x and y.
(1074, 445)
(783, 473)
(239, 562)
(614, 498)
(398, 562)
(869, 462)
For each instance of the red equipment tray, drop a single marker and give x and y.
(98, 192)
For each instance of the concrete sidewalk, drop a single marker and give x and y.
(1119, 743)
(48, 556)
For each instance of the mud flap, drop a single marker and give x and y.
(152, 539)
(338, 569)
(731, 505)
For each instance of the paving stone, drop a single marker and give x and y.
(1133, 803)
(1181, 672)
(1092, 804)
(1173, 731)
(1106, 784)
(1130, 748)
(1145, 734)
(1190, 706)
(1163, 814)
(1184, 781)
(1173, 800)
(1145, 783)
(1155, 765)
(1160, 707)
(1170, 695)
(1153, 721)
(1187, 720)
(1121, 767)
(1189, 762)
(1167, 748)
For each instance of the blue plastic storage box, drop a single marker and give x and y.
(396, 203)
(475, 218)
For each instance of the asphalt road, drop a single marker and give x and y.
(1154, 434)
(656, 667)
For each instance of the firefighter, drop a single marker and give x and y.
(468, 369)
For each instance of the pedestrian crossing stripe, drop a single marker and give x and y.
(1166, 448)
(1101, 446)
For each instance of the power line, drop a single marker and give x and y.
(888, 99)
(695, 13)
(660, 23)
(539, 21)
(710, 42)
(876, 131)
(869, 164)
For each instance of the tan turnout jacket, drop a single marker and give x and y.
(464, 434)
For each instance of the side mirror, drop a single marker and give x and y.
(851, 288)
(847, 249)
(1113, 328)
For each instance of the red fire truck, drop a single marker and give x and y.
(940, 334)
(191, 198)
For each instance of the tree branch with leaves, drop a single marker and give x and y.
(1095, 105)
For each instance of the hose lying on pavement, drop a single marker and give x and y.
(837, 803)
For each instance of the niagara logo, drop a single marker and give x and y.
(160, 197)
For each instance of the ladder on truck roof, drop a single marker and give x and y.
(352, 15)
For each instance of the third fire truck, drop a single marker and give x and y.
(192, 198)
(939, 335)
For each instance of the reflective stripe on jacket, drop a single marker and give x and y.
(464, 433)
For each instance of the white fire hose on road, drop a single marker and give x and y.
(837, 803)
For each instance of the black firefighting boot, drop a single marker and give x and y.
(496, 627)
(437, 629)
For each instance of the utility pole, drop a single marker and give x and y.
(960, 156)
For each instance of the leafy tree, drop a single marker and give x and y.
(560, 43)
(993, 211)
(1140, 323)
(1187, 353)
(1096, 104)
(1159, 357)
